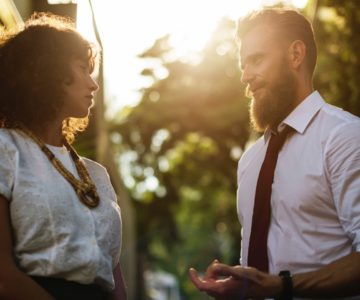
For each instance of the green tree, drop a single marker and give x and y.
(182, 142)
(337, 28)
(187, 134)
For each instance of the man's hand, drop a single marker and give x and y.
(236, 282)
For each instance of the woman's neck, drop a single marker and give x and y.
(50, 133)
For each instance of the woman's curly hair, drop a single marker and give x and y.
(35, 62)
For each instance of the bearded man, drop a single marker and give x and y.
(298, 192)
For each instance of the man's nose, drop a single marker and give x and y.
(247, 75)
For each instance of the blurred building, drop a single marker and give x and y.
(161, 286)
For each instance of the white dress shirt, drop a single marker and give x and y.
(56, 235)
(315, 200)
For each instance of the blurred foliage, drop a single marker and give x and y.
(337, 29)
(179, 147)
(187, 135)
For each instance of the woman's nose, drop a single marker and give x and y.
(93, 84)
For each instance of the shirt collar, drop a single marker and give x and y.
(301, 116)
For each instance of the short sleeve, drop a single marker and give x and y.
(101, 177)
(343, 167)
(8, 155)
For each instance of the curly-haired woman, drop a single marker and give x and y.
(60, 225)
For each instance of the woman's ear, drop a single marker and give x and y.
(297, 52)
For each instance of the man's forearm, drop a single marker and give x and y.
(338, 279)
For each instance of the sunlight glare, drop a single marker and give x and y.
(299, 3)
(194, 21)
(128, 28)
(84, 21)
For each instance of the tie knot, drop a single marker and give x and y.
(285, 131)
(276, 141)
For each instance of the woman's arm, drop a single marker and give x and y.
(119, 293)
(11, 278)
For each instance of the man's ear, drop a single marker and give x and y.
(297, 52)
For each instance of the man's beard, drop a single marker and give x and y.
(278, 102)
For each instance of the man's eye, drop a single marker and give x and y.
(257, 60)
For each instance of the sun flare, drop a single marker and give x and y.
(128, 28)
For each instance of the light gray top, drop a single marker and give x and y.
(55, 234)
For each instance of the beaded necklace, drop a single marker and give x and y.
(84, 188)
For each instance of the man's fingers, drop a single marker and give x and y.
(234, 271)
(225, 282)
(195, 278)
(210, 274)
(205, 285)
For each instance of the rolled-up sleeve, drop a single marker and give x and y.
(342, 156)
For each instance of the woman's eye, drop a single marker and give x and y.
(83, 67)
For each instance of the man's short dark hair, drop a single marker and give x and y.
(289, 23)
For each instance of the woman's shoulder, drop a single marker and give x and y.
(7, 138)
(100, 176)
(94, 167)
(5, 133)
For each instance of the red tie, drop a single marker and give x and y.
(257, 253)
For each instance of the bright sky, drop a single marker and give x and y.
(128, 28)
